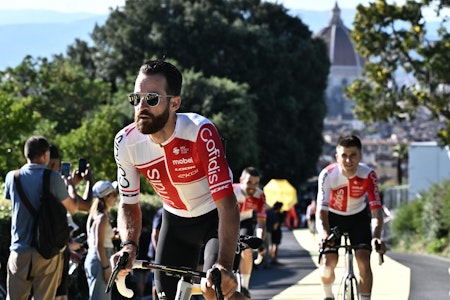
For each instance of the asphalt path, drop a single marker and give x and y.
(401, 277)
(297, 263)
(430, 279)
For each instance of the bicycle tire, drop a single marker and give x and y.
(349, 289)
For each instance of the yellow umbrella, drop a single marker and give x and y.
(280, 190)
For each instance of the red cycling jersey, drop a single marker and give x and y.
(347, 196)
(188, 171)
(247, 205)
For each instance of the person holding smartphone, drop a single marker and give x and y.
(84, 203)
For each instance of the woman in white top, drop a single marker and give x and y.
(100, 235)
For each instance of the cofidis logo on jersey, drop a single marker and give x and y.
(207, 136)
(338, 201)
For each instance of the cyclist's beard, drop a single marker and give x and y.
(250, 192)
(153, 123)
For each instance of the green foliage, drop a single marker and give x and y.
(229, 106)
(252, 68)
(15, 123)
(394, 38)
(425, 222)
(94, 140)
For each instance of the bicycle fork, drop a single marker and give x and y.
(349, 284)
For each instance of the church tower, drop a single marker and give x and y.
(346, 66)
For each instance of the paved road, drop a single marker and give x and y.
(401, 277)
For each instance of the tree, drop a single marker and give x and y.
(247, 41)
(395, 39)
(94, 140)
(230, 107)
(39, 97)
(16, 123)
(60, 93)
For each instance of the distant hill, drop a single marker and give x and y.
(43, 33)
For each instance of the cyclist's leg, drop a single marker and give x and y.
(330, 258)
(178, 245)
(326, 271)
(246, 263)
(210, 258)
(365, 272)
(360, 233)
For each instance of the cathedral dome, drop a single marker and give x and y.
(340, 46)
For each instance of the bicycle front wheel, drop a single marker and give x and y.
(349, 289)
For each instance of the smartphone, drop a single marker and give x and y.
(65, 169)
(82, 164)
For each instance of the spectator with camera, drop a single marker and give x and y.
(83, 172)
(27, 269)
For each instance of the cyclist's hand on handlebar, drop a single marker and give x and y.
(128, 267)
(326, 241)
(378, 245)
(228, 281)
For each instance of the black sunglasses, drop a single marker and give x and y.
(151, 98)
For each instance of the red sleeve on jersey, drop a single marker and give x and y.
(261, 214)
(372, 191)
(211, 154)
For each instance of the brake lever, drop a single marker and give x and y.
(330, 239)
(217, 281)
(120, 264)
(380, 255)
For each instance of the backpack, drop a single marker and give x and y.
(51, 231)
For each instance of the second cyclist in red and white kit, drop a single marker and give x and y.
(252, 203)
(182, 157)
(348, 197)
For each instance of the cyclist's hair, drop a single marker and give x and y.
(170, 72)
(349, 141)
(252, 171)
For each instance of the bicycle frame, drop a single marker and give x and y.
(349, 289)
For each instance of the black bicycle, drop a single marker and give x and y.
(349, 287)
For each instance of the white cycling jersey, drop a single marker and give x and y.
(249, 204)
(188, 171)
(347, 196)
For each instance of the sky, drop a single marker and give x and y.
(102, 6)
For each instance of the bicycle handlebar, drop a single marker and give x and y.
(121, 262)
(143, 264)
(335, 235)
(245, 241)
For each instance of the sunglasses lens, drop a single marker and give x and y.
(134, 99)
(152, 99)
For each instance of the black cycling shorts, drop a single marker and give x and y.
(247, 227)
(179, 245)
(358, 226)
